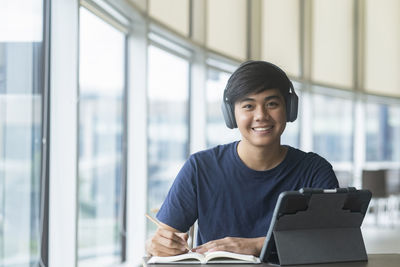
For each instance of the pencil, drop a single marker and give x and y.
(153, 220)
(159, 225)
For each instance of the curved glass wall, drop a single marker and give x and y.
(329, 125)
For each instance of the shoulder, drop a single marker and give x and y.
(209, 157)
(214, 152)
(212, 159)
(314, 168)
(310, 158)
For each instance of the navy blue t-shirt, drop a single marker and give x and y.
(231, 200)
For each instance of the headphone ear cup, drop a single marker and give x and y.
(292, 106)
(229, 115)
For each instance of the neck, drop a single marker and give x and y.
(261, 158)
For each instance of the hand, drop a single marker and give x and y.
(251, 246)
(167, 242)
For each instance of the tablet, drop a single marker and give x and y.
(317, 226)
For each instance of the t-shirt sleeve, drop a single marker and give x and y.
(324, 176)
(179, 209)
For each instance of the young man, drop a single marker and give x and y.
(232, 189)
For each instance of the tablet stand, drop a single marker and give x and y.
(326, 230)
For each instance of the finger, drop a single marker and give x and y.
(224, 244)
(220, 248)
(200, 250)
(206, 247)
(168, 251)
(170, 243)
(160, 243)
(161, 246)
(171, 235)
(164, 251)
(227, 244)
(184, 236)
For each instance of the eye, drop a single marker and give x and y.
(272, 104)
(247, 106)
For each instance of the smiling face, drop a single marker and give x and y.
(261, 118)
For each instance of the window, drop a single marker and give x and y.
(101, 134)
(217, 132)
(394, 133)
(21, 89)
(382, 132)
(168, 122)
(333, 127)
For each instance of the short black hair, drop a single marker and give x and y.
(253, 77)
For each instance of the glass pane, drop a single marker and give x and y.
(217, 132)
(375, 117)
(168, 141)
(394, 134)
(333, 127)
(101, 94)
(383, 132)
(21, 87)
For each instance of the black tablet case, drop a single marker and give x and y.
(312, 226)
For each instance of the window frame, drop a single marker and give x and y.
(45, 160)
(109, 15)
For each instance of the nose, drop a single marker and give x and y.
(261, 113)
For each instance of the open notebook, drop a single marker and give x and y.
(208, 257)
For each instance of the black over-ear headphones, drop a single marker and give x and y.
(292, 102)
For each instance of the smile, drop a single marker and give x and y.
(260, 129)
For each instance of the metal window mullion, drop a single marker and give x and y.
(196, 102)
(63, 130)
(358, 103)
(123, 219)
(44, 180)
(190, 11)
(137, 146)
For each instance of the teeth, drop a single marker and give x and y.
(262, 129)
